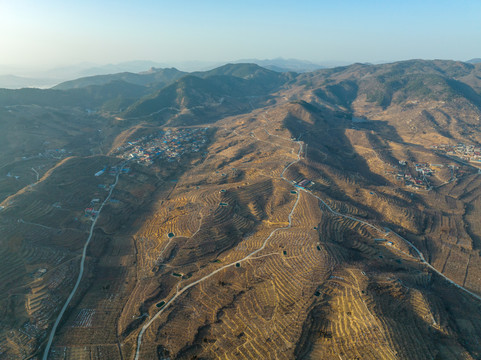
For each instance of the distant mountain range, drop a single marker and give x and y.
(16, 82)
(137, 72)
(141, 94)
(285, 65)
(474, 61)
(156, 78)
(55, 76)
(51, 77)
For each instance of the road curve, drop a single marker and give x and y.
(423, 260)
(410, 244)
(82, 266)
(249, 256)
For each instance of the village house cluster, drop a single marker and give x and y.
(416, 179)
(169, 144)
(424, 169)
(470, 153)
(93, 210)
(418, 175)
(58, 154)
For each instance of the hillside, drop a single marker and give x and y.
(223, 91)
(243, 213)
(285, 65)
(112, 96)
(156, 78)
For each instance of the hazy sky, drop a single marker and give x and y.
(50, 33)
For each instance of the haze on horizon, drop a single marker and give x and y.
(52, 33)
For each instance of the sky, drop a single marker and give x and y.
(52, 33)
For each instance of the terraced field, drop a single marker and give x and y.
(288, 234)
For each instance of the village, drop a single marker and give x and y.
(57, 154)
(168, 144)
(469, 153)
(418, 176)
(93, 210)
